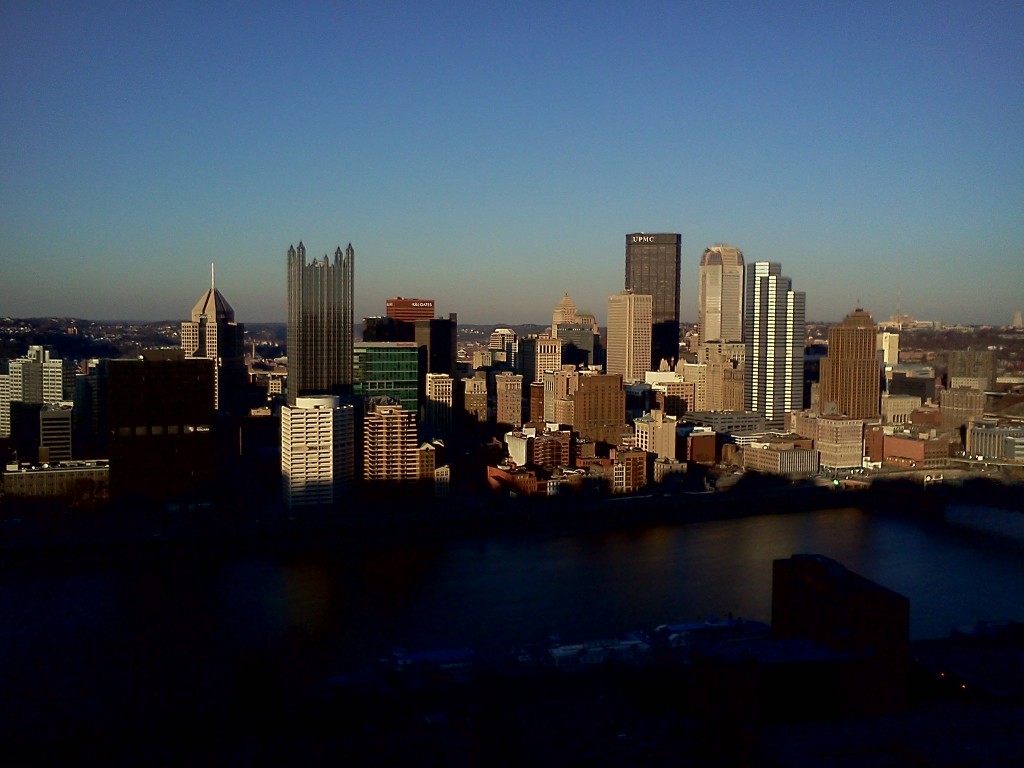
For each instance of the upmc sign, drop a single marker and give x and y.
(642, 238)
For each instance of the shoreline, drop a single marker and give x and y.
(209, 533)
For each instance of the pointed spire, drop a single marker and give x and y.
(213, 278)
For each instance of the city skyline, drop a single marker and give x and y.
(874, 150)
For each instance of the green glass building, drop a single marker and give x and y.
(388, 369)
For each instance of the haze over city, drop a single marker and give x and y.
(492, 158)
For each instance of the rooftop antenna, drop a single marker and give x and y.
(899, 317)
(213, 277)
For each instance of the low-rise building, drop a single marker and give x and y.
(896, 409)
(780, 457)
(629, 470)
(916, 450)
(655, 433)
(81, 481)
(990, 438)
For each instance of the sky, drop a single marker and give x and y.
(494, 156)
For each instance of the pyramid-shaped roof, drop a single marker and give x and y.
(214, 306)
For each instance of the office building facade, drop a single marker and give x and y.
(159, 421)
(212, 333)
(317, 451)
(720, 295)
(581, 344)
(775, 334)
(850, 379)
(599, 409)
(388, 369)
(538, 354)
(409, 310)
(630, 323)
(38, 377)
(319, 323)
(439, 403)
(887, 345)
(390, 449)
(652, 268)
(474, 396)
(509, 396)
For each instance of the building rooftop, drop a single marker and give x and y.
(213, 305)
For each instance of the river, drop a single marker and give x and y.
(176, 633)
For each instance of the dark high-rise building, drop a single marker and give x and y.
(160, 422)
(581, 346)
(652, 267)
(439, 338)
(319, 323)
(387, 329)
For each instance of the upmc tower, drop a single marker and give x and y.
(652, 267)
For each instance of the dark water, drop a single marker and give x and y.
(183, 635)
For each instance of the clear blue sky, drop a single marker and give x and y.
(492, 156)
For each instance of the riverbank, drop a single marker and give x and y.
(142, 533)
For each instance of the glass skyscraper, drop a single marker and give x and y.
(319, 323)
(652, 268)
(388, 371)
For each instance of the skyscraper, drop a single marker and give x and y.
(629, 335)
(850, 384)
(212, 333)
(887, 347)
(538, 354)
(439, 398)
(317, 451)
(509, 389)
(720, 295)
(599, 411)
(652, 268)
(474, 396)
(38, 377)
(319, 323)
(389, 445)
(159, 420)
(775, 335)
(388, 369)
